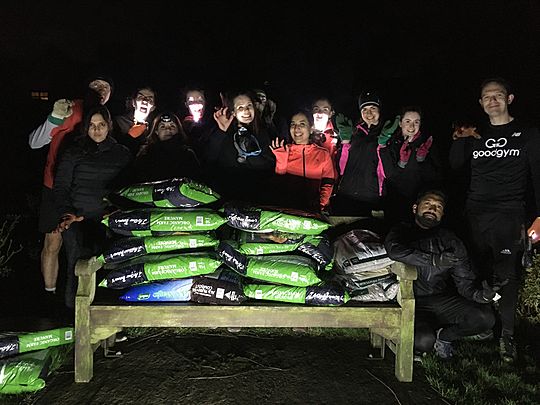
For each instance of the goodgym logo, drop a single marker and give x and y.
(495, 148)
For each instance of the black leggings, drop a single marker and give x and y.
(457, 316)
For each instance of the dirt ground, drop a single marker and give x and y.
(219, 367)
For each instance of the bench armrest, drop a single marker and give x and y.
(404, 271)
(87, 267)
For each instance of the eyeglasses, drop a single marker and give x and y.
(246, 144)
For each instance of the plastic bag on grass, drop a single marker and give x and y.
(124, 249)
(12, 344)
(176, 192)
(312, 295)
(160, 267)
(248, 218)
(292, 270)
(148, 222)
(358, 251)
(316, 247)
(25, 372)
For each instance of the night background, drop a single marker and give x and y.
(430, 53)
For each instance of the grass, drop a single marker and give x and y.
(476, 376)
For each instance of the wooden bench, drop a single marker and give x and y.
(390, 324)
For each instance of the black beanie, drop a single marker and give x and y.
(368, 98)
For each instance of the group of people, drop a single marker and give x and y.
(324, 163)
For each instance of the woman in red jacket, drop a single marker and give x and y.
(305, 159)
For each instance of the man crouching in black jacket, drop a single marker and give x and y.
(448, 304)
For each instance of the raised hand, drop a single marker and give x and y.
(223, 119)
(277, 143)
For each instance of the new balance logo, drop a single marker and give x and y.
(505, 252)
(515, 134)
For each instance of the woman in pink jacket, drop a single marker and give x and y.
(305, 159)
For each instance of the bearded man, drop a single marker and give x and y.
(449, 305)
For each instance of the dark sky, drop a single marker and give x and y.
(434, 53)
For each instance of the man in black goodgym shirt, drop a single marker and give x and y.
(502, 160)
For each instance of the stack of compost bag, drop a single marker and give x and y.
(281, 254)
(165, 249)
(25, 358)
(362, 266)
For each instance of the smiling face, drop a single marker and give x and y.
(410, 124)
(322, 112)
(98, 128)
(370, 115)
(300, 129)
(429, 211)
(244, 110)
(495, 100)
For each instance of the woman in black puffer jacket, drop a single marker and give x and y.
(87, 171)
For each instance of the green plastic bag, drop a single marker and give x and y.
(152, 221)
(312, 295)
(160, 267)
(11, 344)
(176, 192)
(128, 248)
(25, 372)
(265, 220)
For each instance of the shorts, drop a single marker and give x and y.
(48, 212)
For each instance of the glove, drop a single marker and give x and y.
(345, 127)
(404, 155)
(423, 150)
(388, 130)
(62, 109)
(445, 259)
(485, 295)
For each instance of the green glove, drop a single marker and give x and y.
(345, 127)
(388, 130)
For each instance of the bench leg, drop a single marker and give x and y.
(405, 346)
(378, 342)
(84, 355)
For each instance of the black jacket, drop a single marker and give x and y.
(410, 244)
(167, 159)
(86, 173)
(359, 180)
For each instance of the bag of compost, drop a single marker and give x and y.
(146, 222)
(160, 291)
(176, 192)
(292, 270)
(124, 249)
(360, 250)
(11, 343)
(160, 267)
(248, 218)
(207, 290)
(26, 372)
(384, 290)
(316, 247)
(312, 295)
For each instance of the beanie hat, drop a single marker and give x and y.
(368, 98)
